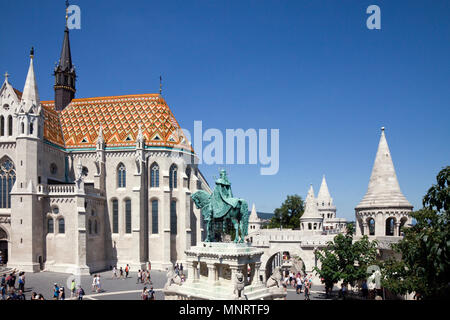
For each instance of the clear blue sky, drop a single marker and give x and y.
(309, 68)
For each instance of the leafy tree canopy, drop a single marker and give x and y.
(345, 259)
(425, 264)
(288, 215)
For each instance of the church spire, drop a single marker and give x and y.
(30, 95)
(65, 75)
(384, 189)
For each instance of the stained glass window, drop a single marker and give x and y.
(7, 180)
(121, 176)
(115, 214)
(173, 177)
(128, 216)
(154, 216)
(154, 176)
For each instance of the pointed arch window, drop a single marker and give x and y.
(50, 222)
(7, 180)
(61, 226)
(128, 216)
(115, 215)
(154, 216)
(188, 174)
(173, 176)
(121, 176)
(173, 217)
(10, 126)
(2, 126)
(95, 227)
(154, 176)
(90, 226)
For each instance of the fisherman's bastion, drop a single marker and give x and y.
(88, 183)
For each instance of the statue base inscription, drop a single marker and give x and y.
(222, 271)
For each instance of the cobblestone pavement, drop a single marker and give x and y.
(118, 289)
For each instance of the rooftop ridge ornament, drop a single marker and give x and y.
(160, 85)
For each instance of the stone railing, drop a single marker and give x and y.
(67, 189)
(61, 189)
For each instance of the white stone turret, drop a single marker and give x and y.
(325, 202)
(254, 222)
(311, 220)
(384, 208)
(29, 112)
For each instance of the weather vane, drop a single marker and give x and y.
(160, 84)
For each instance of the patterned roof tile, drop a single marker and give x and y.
(78, 124)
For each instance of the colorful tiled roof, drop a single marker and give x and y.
(77, 126)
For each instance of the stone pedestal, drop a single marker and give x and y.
(212, 269)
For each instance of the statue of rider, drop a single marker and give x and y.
(222, 196)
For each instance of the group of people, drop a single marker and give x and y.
(148, 294)
(8, 288)
(178, 268)
(299, 282)
(119, 273)
(96, 285)
(59, 292)
(143, 276)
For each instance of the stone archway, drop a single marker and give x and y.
(4, 240)
(273, 258)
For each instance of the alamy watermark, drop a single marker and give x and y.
(73, 15)
(374, 20)
(236, 146)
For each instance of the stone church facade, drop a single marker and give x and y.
(91, 183)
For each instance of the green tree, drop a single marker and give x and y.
(288, 215)
(345, 259)
(424, 267)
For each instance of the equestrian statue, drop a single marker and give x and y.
(221, 209)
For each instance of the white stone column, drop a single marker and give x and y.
(211, 273)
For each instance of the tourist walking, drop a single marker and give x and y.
(98, 284)
(3, 291)
(127, 270)
(307, 289)
(62, 294)
(73, 289)
(114, 273)
(80, 293)
(144, 294)
(94, 283)
(55, 292)
(151, 294)
(139, 276)
(22, 281)
(299, 285)
(121, 273)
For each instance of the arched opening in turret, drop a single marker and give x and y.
(402, 224)
(390, 226)
(371, 226)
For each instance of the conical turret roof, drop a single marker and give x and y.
(384, 189)
(253, 214)
(311, 211)
(30, 91)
